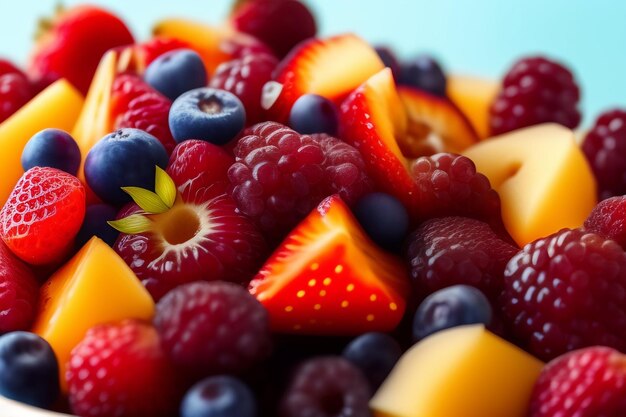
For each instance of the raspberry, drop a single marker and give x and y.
(15, 91)
(245, 78)
(213, 327)
(605, 149)
(18, 293)
(566, 291)
(279, 175)
(586, 383)
(121, 370)
(456, 250)
(137, 105)
(327, 387)
(535, 90)
(448, 185)
(608, 219)
(155, 47)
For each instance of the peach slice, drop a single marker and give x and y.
(473, 96)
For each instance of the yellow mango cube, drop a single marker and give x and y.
(473, 95)
(543, 178)
(465, 371)
(57, 107)
(95, 286)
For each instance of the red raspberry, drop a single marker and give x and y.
(456, 250)
(137, 105)
(213, 327)
(121, 370)
(535, 90)
(43, 215)
(586, 383)
(605, 149)
(155, 47)
(326, 387)
(15, 91)
(608, 219)
(280, 175)
(245, 78)
(567, 291)
(448, 185)
(18, 292)
(280, 24)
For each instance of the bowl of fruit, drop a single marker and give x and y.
(255, 220)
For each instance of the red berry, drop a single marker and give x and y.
(210, 328)
(121, 370)
(605, 149)
(280, 24)
(245, 77)
(137, 105)
(43, 215)
(155, 47)
(608, 219)
(535, 90)
(18, 293)
(566, 291)
(7, 67)
(448, 185)
(586, 383)
(15, 91)
(280, 175)
(456, 250)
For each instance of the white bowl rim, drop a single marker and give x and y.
(10, 408)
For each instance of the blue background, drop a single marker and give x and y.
(481, 37)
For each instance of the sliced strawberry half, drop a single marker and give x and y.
(328, 277)
(330, 67)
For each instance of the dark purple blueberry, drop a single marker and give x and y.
(326, 387)
(375, 354)
(95, 224)
(126, 157)
(29, 371)
(424, 73)
(176, 72)
(208, 114)
(384, 218)
(389, 59)
(53, 148)
(219, 396)
(450, 307)
(314, 114)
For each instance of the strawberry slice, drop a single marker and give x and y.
(328, 277)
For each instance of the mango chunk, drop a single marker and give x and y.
(461, 372)
(542, 176)
(95, 286)
(57, 107)
(473, 95)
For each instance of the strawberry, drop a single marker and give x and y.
(73, 43)
(328, 277)
(43, 215)
(139, 381)
(15, 91)
(135, 104)
(7, 67)
(589, 382)
(18, 292)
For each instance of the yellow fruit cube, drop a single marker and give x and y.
(461, 372)
(542, 176)
(95, 286)
(473, 96)
(57, 107)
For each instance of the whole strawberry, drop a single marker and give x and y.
(566, 291)
(585, 383)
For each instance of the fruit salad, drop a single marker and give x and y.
(252, 220)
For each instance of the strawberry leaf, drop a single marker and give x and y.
(150, 202)
(165, 187)
(132, 225)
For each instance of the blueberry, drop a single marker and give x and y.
(375, 354)
(389, 59)
(29, 371)
(126, 157)
(95, 224)
(384, 218)
(209, 114)
(424, 73)
(450, 307)
(314, 114)
(218, 396)
(53, 148)
(176, 72)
